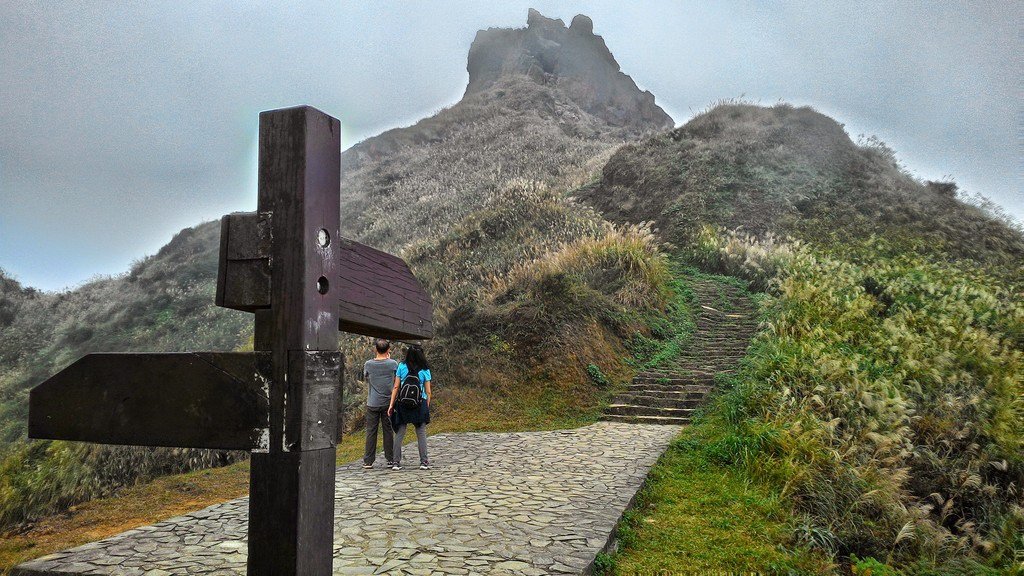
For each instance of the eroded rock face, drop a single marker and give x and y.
(573, 60)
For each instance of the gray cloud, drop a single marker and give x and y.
(122, 124)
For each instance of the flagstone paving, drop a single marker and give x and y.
(528, 503)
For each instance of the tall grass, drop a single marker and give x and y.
(625, 263)
(884, 399)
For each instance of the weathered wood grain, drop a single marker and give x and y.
(290, 509)
(196, 400)
(290, 520)
(243, 276)
(378, 295)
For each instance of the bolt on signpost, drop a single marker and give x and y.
(287, 264)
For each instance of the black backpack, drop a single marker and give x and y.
(409, 392)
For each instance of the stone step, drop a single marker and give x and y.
(665, 393)
(673, 378)
(718, 345)
(658, 401)
(669, 392)
(665, 420)
(676, 387)
(707, 358)
(712, 354)
(730, 320)
(724, 343)
(676, 381)
(695, 358)
(705, 373)
(632, 410)
(655, 374)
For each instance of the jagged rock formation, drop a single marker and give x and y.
(573, 59)
(544, 103)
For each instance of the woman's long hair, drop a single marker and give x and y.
(416, 360)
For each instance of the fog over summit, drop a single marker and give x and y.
(574, 59)
(124, 124)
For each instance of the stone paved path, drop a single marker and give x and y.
(527, 503)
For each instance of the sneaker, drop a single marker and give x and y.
(425, 466)
(367, 466)
(396, 466)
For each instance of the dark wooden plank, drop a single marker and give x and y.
(316, 379)
(299, 182)
(246, 285)
(380, 296)
(243, 278)
(289, 505)
(222, 264)
(197, 400)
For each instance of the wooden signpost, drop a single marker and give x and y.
(287, 264)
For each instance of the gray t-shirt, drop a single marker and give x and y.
(380, 376)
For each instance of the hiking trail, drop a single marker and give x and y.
(726, 319)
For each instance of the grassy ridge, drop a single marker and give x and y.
(882, 403)
(882, 406)
(886, 400)
(877, 421)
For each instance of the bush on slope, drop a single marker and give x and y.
(884, 398)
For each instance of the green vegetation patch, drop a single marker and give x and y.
(884, 402)
(672, 330)
(696, 515)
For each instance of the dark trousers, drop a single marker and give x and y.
(375, 416)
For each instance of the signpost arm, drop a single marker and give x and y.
(291, 510)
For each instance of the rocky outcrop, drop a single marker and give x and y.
(572, 60)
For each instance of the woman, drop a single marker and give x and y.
(419, 416)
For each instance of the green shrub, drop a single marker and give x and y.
(871, 567)
(884, 398)
(596, 376)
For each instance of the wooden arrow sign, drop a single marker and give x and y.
(378, 295)
(194, 400)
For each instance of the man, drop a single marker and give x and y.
(379, 374)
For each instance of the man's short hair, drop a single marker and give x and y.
(381, 345)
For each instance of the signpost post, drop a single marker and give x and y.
(287, 264)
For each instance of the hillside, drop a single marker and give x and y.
(485, 169)
(793, 171)
(883, 399)
(563, 226)
(544, 103)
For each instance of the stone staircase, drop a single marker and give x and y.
(725, 319)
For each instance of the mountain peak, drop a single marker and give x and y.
(572, 60)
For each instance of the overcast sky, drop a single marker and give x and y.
(121, 124)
